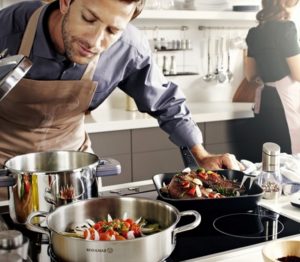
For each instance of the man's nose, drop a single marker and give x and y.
(98, 36)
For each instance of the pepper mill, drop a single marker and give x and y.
(270, 178)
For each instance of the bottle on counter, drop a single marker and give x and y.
(130, 104)
(270, 178)
(173, 70)
(164, 67)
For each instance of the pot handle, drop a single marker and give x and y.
(108, 167)
(190, 226)
(35, 227)
(5, 180)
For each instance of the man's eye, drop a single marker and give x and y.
(112, 31)
(88, 19)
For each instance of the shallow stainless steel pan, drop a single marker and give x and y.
(12, 70)
(151, 248)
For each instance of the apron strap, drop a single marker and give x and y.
(29, 33)
(90, 69)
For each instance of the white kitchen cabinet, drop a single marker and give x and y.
(153, 153)
(115, 145)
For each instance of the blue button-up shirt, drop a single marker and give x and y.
(128, 64)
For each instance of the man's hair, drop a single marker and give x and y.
(139, 6)
(275, 10)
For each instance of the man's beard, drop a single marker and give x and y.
(69, 40)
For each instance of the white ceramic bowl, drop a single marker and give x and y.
(280, 248)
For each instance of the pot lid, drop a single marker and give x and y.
(12, 70)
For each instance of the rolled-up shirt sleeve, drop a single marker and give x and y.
(162, 99)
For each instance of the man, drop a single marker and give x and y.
(64, 40)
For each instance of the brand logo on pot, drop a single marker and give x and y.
(100, 250)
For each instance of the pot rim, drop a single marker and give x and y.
(37, 172)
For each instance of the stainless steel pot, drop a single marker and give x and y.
(151, 248)
(45, 180)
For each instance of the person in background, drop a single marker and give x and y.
(274, 60)
(81, 51)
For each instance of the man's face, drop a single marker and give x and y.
(91, 26)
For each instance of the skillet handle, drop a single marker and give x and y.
(36, 227)
(188, 158)
(108, 167)
(190, 226)
(5, 180)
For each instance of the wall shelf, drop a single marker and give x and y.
(197, 15)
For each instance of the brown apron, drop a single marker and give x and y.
(45, 115)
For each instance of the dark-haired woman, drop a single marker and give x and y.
(274, 58)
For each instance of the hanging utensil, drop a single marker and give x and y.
(12, 70)
(221, 76)
(209, 76)
(217, 58)
(228, 71)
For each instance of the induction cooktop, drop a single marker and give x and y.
(217, 232)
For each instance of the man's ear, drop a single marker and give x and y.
(64, 6)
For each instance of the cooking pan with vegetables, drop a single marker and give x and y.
(208, 195)
(100, 218)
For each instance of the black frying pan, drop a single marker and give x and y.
(247, 201)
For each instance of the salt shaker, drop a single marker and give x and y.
(270, 178)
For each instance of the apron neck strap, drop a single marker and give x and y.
(29, 33)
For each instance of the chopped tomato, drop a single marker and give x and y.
(214, 176)
(191, 191)
(185, 184)
(104, 236)
(130, 221)
(203, 176)
(119, 237)
(136, 230)
(214, 195)
(98, 225)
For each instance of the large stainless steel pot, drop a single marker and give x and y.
(45, 180)
(151, 248)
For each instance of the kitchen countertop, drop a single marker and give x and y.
(246, 254)
(114, 119)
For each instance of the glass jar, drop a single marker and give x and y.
(270, 178)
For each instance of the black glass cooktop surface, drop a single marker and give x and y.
(216, 233)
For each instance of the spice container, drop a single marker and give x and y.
(13, 246)
(130, 104)
(270, 178)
